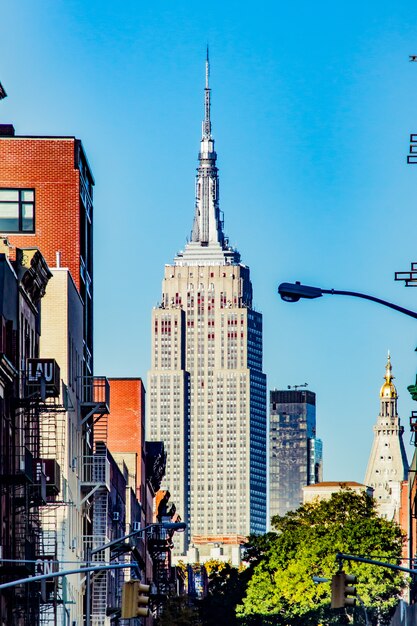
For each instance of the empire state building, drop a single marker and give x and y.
(206, 388)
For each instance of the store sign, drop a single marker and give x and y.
(52, 472)
(43, 376)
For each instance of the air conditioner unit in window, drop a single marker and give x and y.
(116, 516)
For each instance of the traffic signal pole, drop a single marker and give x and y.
(340, 557)
(66, 572)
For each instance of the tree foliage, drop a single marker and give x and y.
(225, 590)
(281, 588)
(178, 612)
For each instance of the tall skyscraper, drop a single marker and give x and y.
(295, 454)
(206, 388)
(387, 465)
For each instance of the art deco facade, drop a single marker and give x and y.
(387, 465)
(295, 454)
(206, 388)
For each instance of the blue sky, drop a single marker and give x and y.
(312, 107)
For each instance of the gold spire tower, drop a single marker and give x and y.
(388, 465)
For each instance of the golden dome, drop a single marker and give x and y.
(388, 389)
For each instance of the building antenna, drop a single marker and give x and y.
(297, 386)
(207, 121)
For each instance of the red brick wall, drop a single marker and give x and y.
(47, 165)
(126, 425)
(403, 518)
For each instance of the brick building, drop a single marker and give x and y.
(126, 430)
(22, 285)
(46, 202)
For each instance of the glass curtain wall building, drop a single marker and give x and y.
(295, 453)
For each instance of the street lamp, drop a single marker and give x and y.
(292, 292)
(175, 526)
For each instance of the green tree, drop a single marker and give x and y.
(281, 588)
(225, 590)
(177, 612)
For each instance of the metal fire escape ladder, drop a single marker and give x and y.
(53, 429)
(98, 471)
(160, 547)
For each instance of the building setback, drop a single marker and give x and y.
(295, 454)
(387, 465)
(206, 388)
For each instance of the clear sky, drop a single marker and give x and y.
(312, 107)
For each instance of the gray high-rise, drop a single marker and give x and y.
(207, 391)
(295, 454)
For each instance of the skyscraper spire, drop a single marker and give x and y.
(208, 243)
(388, 389)
(207, 90)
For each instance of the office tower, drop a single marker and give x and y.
(295, 454)
(206, 388)
(387, 465)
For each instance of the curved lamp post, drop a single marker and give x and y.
(175, 526)
(292, 292)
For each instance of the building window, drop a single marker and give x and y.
(17, 210)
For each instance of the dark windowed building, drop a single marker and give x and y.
(295, 454)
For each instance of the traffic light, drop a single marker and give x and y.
(342, 589)
(135, 599)
(142, 600)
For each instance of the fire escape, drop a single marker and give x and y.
(30, 471)
(53, 437)
(95, 486)
(160, 547)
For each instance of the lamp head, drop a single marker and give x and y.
(292, 292)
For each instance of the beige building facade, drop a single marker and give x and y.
(62, 441)
(324, 490)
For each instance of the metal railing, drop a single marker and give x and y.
(96, 390)
(96, 470)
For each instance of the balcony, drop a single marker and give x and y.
(96, 398)
(96, 471)
(95, 474)
(94, 542)
(16, 469)
(18, 559)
